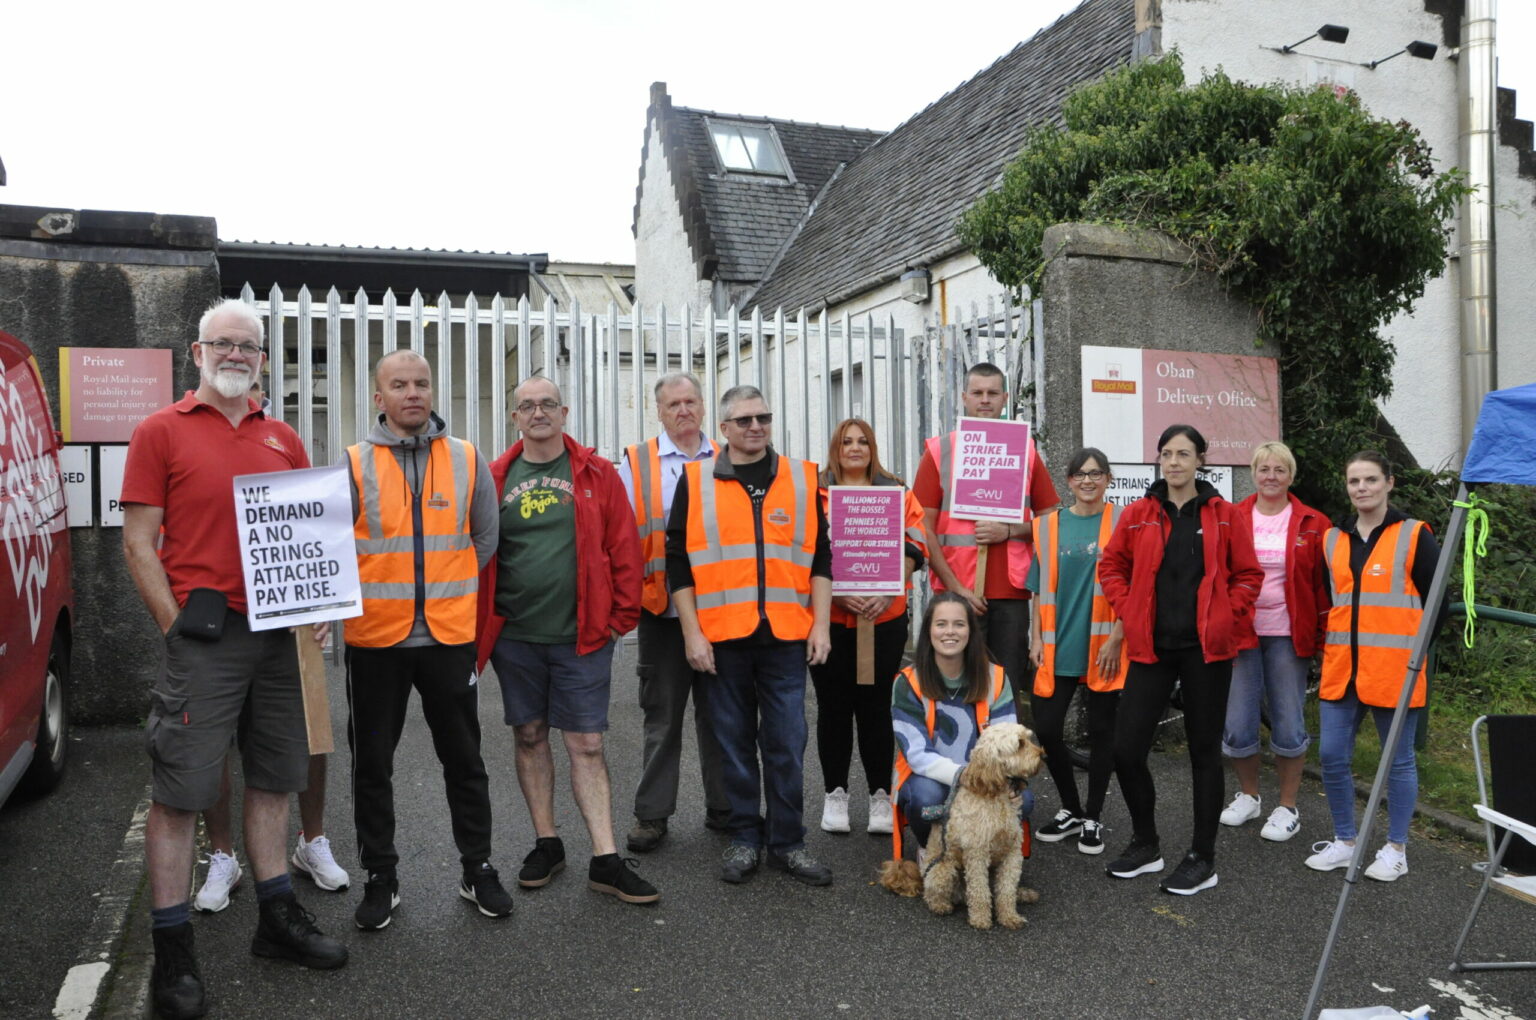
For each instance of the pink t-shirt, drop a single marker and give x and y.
(1270, 617)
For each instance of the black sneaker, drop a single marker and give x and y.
(1193, 874)
(801, 865)
(286, 931)
(1059, 828)
(381, 895)
(1091, 839)
(646, 835)
(718, 820)
(617, 876)
(482, 887)
(544, 862)
(176, 984)
(738, 862)
(1138, 859)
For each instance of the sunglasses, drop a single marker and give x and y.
(746, 420)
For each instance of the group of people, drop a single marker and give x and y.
(539, 561)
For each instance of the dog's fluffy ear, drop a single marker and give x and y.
(984, 774)
(901, 878)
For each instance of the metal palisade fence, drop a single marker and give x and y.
(814, 369)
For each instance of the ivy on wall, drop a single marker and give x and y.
(1328, 220)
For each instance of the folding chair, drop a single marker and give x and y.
(1512, 759)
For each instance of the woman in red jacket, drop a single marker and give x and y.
(1288, 541)
(1180, 572)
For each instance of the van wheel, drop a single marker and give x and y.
(51, 756)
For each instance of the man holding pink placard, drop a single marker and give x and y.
(999, 599)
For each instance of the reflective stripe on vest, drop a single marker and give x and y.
(1102, 616)
(386, 548)
(957, 538)
(723, 551)
(1390, 609)
(652, 522)
(901, 771)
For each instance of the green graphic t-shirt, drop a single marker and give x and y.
(536, 557)
(1077, 562)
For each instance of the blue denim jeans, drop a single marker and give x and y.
(919, 792)
(1339, 721)
(1275, 676)
(757, 706)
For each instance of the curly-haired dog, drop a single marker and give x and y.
(981, 835)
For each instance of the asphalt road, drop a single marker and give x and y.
(1093, 947)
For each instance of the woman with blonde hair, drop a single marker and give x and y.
(842, 703)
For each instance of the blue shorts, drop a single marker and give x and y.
(552, 684)
(1274, 675)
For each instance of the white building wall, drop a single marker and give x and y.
(664, 265)
(1236, 35)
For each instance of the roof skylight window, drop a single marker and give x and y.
(748, 148)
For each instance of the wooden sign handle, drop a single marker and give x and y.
(980, 587)
(317, 704)
(866, 652)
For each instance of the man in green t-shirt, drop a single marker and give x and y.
(563, 587)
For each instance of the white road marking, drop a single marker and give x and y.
(78, 993)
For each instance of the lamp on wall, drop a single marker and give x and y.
(1417, 48)
(1328, 33)
(914, 285)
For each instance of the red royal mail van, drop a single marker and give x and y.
(36, 599)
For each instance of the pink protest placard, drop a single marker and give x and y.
(105, 391)
(865, 527)
(989, 480)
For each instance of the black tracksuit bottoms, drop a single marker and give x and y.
(379, 683)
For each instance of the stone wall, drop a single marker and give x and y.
(79, 278)
(1116, 288)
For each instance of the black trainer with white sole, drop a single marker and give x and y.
(1060, 827)
(1195, 873)
(1138, 859)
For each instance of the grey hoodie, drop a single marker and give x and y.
(414, 455)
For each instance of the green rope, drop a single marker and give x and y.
(1474, 545)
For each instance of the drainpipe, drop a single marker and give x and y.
(1475, 75)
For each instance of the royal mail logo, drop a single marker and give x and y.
(274, 442)
(438, 501)
(1377, 570)
(1114, 386)
(778, 515)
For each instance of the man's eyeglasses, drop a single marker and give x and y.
(548, 406)
(746, 420)
(1087, 476)
(225, 346)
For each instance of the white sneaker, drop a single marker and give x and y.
(1390, 864)
(881, 817)
(1330, 854)
(1283, 823)
(223, 875)
(1243, 808)
(314, 859)
(834, 811)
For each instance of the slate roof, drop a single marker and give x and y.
(737, 222)
(895, 206)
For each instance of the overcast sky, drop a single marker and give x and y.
(512, 126)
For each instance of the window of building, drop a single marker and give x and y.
(748, 148)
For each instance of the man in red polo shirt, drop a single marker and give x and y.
(1001, 602)
(179, 477)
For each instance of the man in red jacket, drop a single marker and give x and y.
(563, 587)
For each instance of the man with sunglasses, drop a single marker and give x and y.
(563, 587)
(750, 568)
(220, 676)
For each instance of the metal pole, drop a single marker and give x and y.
(1389, 747)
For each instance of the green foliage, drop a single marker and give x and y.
(1328, 220)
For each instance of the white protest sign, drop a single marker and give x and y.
(1131, 481)
(297, 547)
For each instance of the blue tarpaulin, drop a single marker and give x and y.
(1504, 443)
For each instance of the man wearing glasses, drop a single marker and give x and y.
(1000, 600)
(561, 590)
(219, 675)
(750, 568)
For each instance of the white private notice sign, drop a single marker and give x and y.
(297, 547)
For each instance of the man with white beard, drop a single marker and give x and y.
(219, 675)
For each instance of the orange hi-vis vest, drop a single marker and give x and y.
(1102, 618)
(1390, 608)
(386, 555)
(957, 538)
(901, 771)
(742, 560)
(645, 469)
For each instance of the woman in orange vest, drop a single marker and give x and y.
(854, 459)
(1076, 640)
(941, 703)
(1380, 564)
